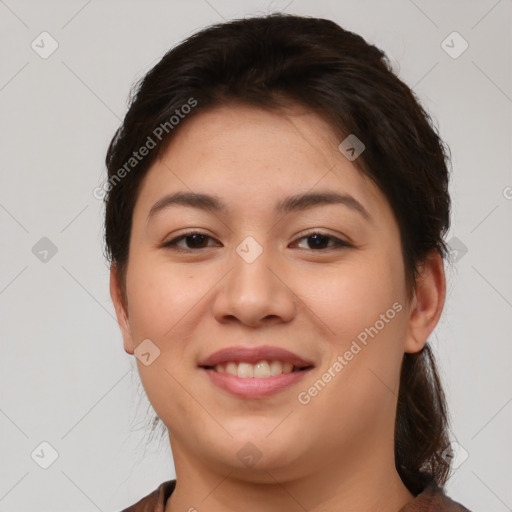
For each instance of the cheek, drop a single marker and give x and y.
(350, 297)
(372, 327)
(161, 297)
(363, 306)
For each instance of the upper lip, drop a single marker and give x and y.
(254, 355)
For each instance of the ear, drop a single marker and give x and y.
(427, 303)
(121, 308)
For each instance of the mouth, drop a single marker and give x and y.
(255, 362)
(255, 372)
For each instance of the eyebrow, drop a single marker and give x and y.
(289, 204)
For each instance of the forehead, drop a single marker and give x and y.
(252, 157)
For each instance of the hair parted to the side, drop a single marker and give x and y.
(277, 61)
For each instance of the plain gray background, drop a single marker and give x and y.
(64, 376)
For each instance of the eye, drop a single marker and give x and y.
(319, 240)
(197, 240)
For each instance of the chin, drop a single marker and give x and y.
(255, 454)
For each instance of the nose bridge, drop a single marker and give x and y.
(252, 268)
(252, 292)
(252, 280)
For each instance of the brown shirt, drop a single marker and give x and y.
(432, 499)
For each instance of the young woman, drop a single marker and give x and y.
(275, 211)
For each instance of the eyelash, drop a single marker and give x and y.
(171, 244)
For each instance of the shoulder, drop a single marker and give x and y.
(155, 500)
(433, 499)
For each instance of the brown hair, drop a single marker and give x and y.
(276, 61)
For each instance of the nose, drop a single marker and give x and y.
(255, 293)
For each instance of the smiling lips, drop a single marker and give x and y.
(254, 372)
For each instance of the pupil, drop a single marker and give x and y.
(319, 240)
(195, 238)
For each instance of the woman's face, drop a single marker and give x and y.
(259, 279)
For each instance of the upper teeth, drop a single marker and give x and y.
(260, 370)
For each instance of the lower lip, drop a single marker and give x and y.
(252, 387)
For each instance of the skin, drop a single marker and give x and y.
(337, 451)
